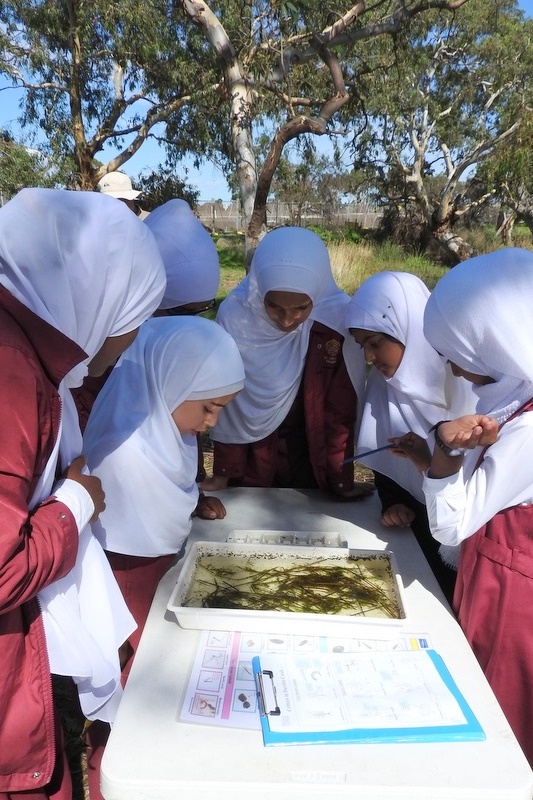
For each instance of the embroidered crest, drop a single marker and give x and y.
(332, 349)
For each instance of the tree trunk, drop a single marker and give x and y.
(524, 209)
(291, 130)
(241, 102)
(505, 225)
(457, 248)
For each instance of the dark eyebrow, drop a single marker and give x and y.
(370, 335)
(291, 308)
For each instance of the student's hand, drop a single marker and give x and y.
(413, 447)
(470, 431)
(90, 483)
(214, 483)
(359, 490)
(210, 508)
(398, 515)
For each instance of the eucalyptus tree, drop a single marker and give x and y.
(300, 63)
(202, 76)
(456, 90)
(20, 166)
(510, 172)
(101, 77)
(307, 182)
(161, 185)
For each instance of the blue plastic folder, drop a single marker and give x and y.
(366, 698)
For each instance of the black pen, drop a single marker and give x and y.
(368, 453)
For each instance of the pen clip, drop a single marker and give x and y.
(266, 692)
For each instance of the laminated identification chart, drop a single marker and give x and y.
(367, 697)
(221, 688)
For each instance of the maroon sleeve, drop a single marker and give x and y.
(201, 473)
(330, 410)
(230, 460)
(35, 548)
(340, 413)
(85, 395)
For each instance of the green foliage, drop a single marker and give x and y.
(109, 75)
(510, 171)
(352, 262)
(231, 256)
(20, 167)
(522, 237)
(394, 258)
(345, 233)
(99, 73)
(484, 238)
(308, 181)
(438, 100)
(112, 73)
(162, 185)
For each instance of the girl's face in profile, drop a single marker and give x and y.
(381, 350)
(109, 353)
(287, 310)
(196, 416)
(478, 380)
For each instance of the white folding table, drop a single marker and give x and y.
(151, 755)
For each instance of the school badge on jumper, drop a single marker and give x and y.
(332, 349)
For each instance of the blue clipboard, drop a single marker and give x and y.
(271, 698)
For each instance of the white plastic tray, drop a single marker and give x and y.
(197, 617)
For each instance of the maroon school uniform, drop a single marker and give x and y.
(308, 449)
(35, 549)
(494, 604)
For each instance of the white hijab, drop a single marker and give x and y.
(289, 260)
(85, 264)
(189, 254)
(421, 392)
(479, 317)
(132, 443)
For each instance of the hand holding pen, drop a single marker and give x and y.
(410, 446)
(368, 453)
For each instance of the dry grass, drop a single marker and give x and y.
(351, 264)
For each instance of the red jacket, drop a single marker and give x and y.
(329, 407)
(35, 549)
(492, 602)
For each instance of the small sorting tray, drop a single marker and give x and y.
(296, 538)
(209, 567)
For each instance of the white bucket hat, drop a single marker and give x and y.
(117, 184)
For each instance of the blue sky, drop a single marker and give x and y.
(208, 180)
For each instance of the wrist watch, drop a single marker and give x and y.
(448, 451)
